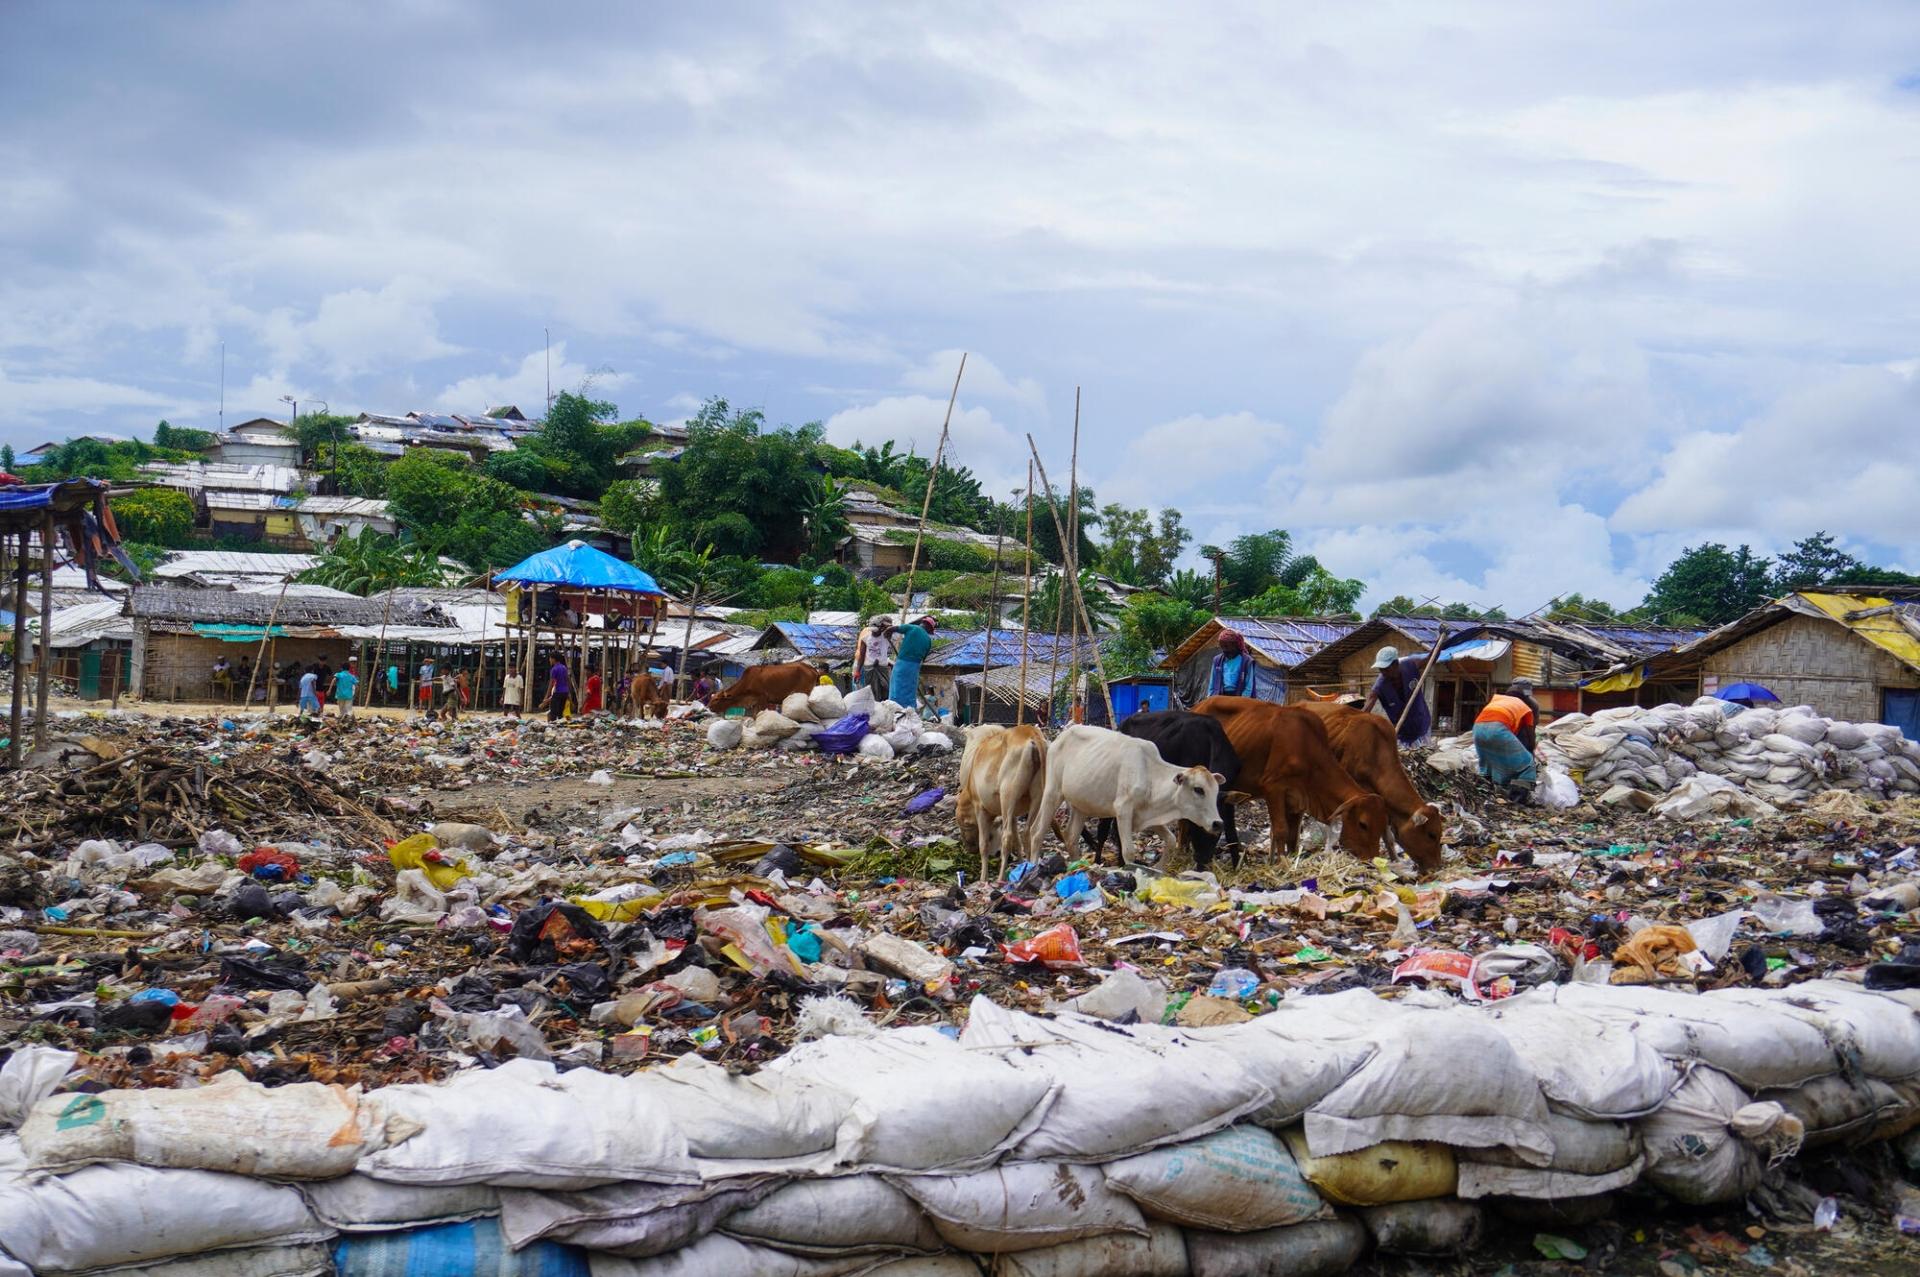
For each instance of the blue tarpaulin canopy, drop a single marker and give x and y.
(577, 565)
(1749, 693)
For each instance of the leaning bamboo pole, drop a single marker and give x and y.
(1026, 609)
(46, 633)
(1098, 665)
(926, 502)
(1073, 559)
(262, 654)
(993, 606)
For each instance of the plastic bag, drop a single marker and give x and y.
(1556, 790)
(1056, 947)
(876, 746)
(422, 852)
(724, 733)
(842, 736)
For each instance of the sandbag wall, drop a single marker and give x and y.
(1294, 1142)
(825, 720)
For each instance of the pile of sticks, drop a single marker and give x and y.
(154, 794)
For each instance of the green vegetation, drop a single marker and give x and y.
(158, 516)
(369, 562)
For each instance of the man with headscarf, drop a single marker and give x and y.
(1232, 673)
(1396, 683)
(1503, 739)
(915, 641)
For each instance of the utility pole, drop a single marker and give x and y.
(223, 387)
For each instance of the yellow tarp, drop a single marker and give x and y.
(1625, 681)
(1884, 631)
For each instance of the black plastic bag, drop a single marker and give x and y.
(257, 973)
(525, 944)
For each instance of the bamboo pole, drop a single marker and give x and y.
(46, 633)
(926, 502)
(19, 648)
(1026, 609)
(993, 607)
(379, 651)
(1098, 665)
(265, 635)
(1420, 682)
(1073, 557)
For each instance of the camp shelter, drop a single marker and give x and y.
(178, 634)
(1851, 653)
(960, 653)
(593, 609)
(89, 641)
(1279, 646)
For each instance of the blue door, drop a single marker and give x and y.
(1901, 708)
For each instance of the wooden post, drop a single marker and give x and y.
(1026, 608)
(19, 647)
(926, 503)
(266, 651)
(1073, 561)
(379, 651)
(993, 606)
(686, 641)
(46, 633)
(1098, 665)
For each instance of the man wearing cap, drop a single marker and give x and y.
(1232, 668)
(1397, 681)
(1503, 738)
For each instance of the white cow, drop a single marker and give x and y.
(1103, 773)
(1003, 772)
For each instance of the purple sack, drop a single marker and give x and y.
(843, 736)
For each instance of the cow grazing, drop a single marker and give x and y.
(1186, 739)
(1365, 746)
(646, 697)
(764, 687)
(1287, 760)
(1102, 773)
(1003, 774)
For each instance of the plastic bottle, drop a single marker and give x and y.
(1237, 983)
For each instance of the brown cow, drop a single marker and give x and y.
(646, 697)
(1286, 759)
(1364, 744)
(1003, 773)
(764, 687)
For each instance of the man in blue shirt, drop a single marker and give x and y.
(345, 684)
(1232, 667)
(310, 690)
(1398, 680)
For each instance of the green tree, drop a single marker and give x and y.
(523, 468)
(159, 516)
(1317, 593)
(1102, 609)
(6, 457)
(1137, 550)
(1402, 605)
(1195, 589)
(163, 434)
(369, 561)
(1814, 560)
(1711, 585)
(1576, 608)
(472, 517)
(744, 489)
(629, 504)
(362, 472)
(825, 516)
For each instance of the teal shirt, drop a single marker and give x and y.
(914, 644)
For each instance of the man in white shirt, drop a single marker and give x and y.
(873, 656)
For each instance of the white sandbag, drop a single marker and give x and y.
(750, 1122)
(1805, 728)
(1415, 1088)
(1556, 790)
(772, 725)
(301, 1131)
(1440, 1226)
(1022, 1205)
(939, 742)
(1877, 1035)
(100, 1216)
(948, 1265)
(1104, 1071)
(1482, 1179)
(725, 733)
(752, 738)
(901, 738)
(634, 1220)
(833, 1216)
(362, 1204)
(1241, 1179)
(1755, 1045)
(1845, 736)
(1692, 1152)
(314, 1260)
(828, 705)
(525, 1125)
(798, 706)
(1161, 1253)
(881, 716)
(1590, 1067)
(1298, 1056)
(721, 1256)
(453, 833)
(1319, 1249)
(860, 701)
(29, 1076)
(874, 745)
(1838, 1108)
(987, 1105)
(796, 743)
(1580, 1147)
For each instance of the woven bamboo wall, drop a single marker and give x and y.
(180, 666)
(1806, 661)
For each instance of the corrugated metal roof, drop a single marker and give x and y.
(233, 563)
(83, 624)
(1283, 641)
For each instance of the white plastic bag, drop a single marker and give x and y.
(1556, 790)
(938, 741)
(724, 733)
(798, 706)
(874, 745)
(772, 725)
(828, 705)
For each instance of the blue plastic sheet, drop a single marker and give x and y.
(472, 1249)
(579, 565)
(842, 737)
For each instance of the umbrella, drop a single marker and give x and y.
(1748, 694)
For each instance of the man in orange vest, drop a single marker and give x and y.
(1503, 739)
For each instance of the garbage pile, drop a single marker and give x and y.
(1070, 1145)
(1751, 759)
(827, 721)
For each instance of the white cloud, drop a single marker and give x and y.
(361, 330)
(1174, 459)
(977, 440)
(982, 380)
(526, 385)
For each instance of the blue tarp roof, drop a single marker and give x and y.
(970, 648)
(580, 566)
(38, 496)
(817, 640)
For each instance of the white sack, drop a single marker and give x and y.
(1438, 1226)
(750, 1122)
(1161, 1253)
(1556, 790)
(524, 1125)
(1238, 1180)
(1755, 1045)
(1320, 1249)
(1593, 1068)
(127, 1214)
(798, 706)
(772, 725)
(1692, 1150)
(635, 1220)
(832, 1216)
(827, 703)
(859, 701)
(1482, 1179)
(29, 1076)
(719, 1256)
(1879, 1035)
(1302, 1049)
(725, 733)
(1123, 1088)
(361, 1204)
(875, 746)
(1022, 1205)
(901, 738)
(939, 742)
(302, 1131)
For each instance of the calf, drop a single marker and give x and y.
(646, 697)
(764, 687)
(1003, 775)
(1287, 760)
(1186, 739)
(1365, 746)
(1102, 773)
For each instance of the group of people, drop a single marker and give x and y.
(317, 681)
(887, 657)
(1503, 730)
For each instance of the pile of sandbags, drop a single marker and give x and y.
(1288, 1143)
(892, 730)
(1773, 756)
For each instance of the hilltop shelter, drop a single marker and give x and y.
(598, 610)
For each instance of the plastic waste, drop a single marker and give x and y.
(1237, 983)
(1786, 917)
(1056, 947)
(423, 852)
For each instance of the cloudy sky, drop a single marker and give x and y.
(1484, 301)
